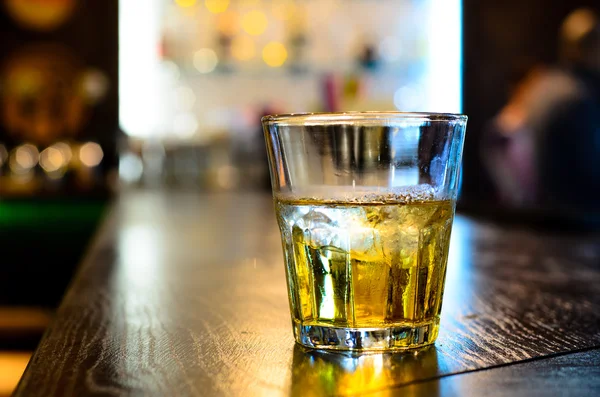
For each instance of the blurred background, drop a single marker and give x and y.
(100, 97)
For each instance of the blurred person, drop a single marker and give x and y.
(543, 148)
(507, 145)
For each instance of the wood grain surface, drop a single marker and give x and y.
(575, 374)
(184, 294)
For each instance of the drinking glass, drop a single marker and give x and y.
(365, 203)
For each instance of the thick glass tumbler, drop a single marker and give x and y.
(365, 203)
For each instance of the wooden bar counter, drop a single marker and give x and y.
(184, 294)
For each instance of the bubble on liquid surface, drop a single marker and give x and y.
(363, 195)
(347, 221)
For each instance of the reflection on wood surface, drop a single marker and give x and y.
(185, 295)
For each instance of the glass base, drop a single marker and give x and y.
(384, 339)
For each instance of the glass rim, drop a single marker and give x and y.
(370, 116)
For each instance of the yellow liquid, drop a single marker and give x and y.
(365, 265)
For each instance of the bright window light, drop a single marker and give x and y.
(445, 56)
(139, 35)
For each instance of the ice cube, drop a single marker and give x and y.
(291, 214)
(365, 243)
(358, 236)
(318, 228)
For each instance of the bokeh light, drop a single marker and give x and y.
(94, 84)
(283, 9)
(205, 60)
(24, 158)
(65, 149)
(185, 98)
(228, 23)
(185, 3)
(243, 48)
(216, 6)
(52, 159)
(185, 125)
(90, 154)
(274, 54)
(254, 22)
(131, 168)
(249, 3)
